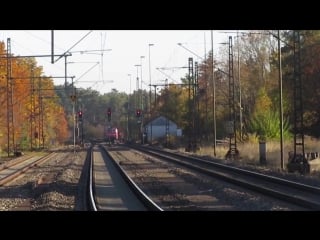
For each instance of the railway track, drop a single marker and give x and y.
(302, 195)
(110, 188)
(17, 167)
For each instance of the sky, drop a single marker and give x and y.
(114, 67)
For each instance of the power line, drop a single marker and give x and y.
(73, 45)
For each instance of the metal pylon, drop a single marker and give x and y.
(167, 130)
(191, 143)
(196, 102)
(32, 112)
(10, 122)
(298, 108)
(232, 152)
(297, 160)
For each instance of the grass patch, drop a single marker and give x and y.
(249, 152)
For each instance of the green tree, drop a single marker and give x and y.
(265, 121)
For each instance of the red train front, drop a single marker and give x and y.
(112, 134)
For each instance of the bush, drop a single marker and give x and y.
(266, 126)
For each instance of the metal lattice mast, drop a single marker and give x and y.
(196, 100)
(297, 95)
(191, 109)
(10, 122)
(32, 112)
(42, 121)
(167, 119)
(232, 113)
(213, 98)
(39, 114)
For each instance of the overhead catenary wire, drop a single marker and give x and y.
(43, 40)
(103, 42)
(86, 72)
(159, 69)
(73, 45)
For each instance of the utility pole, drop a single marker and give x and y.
(297, 160)
(141, 104)
(240, 97)
(155, 96)
(196, 103)
(39, 113)
(280, 102)
(52, 46)
(167, 119)
(137, 87)
(137, 98)
(280, 96)
(191, 144)
(74, 117)
(65, 71)
(42, 121)
(206, 90)
(213, 98)
(82, 121)
(32, 112)
(150, 101)
(128, 114)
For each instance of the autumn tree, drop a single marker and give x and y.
(310, 73)
(172, 103)
(29, 105)
(3, 98)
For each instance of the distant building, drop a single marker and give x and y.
(160, 127)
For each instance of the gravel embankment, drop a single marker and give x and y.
(54, 185)
(175, 188)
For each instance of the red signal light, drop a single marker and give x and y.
(138, 112)
(109, 114)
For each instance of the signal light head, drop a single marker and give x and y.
(109, 114)
(138, 112)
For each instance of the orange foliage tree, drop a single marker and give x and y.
(38, 117)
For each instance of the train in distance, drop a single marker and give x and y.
(112, 134)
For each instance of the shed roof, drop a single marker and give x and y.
(159, 121)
